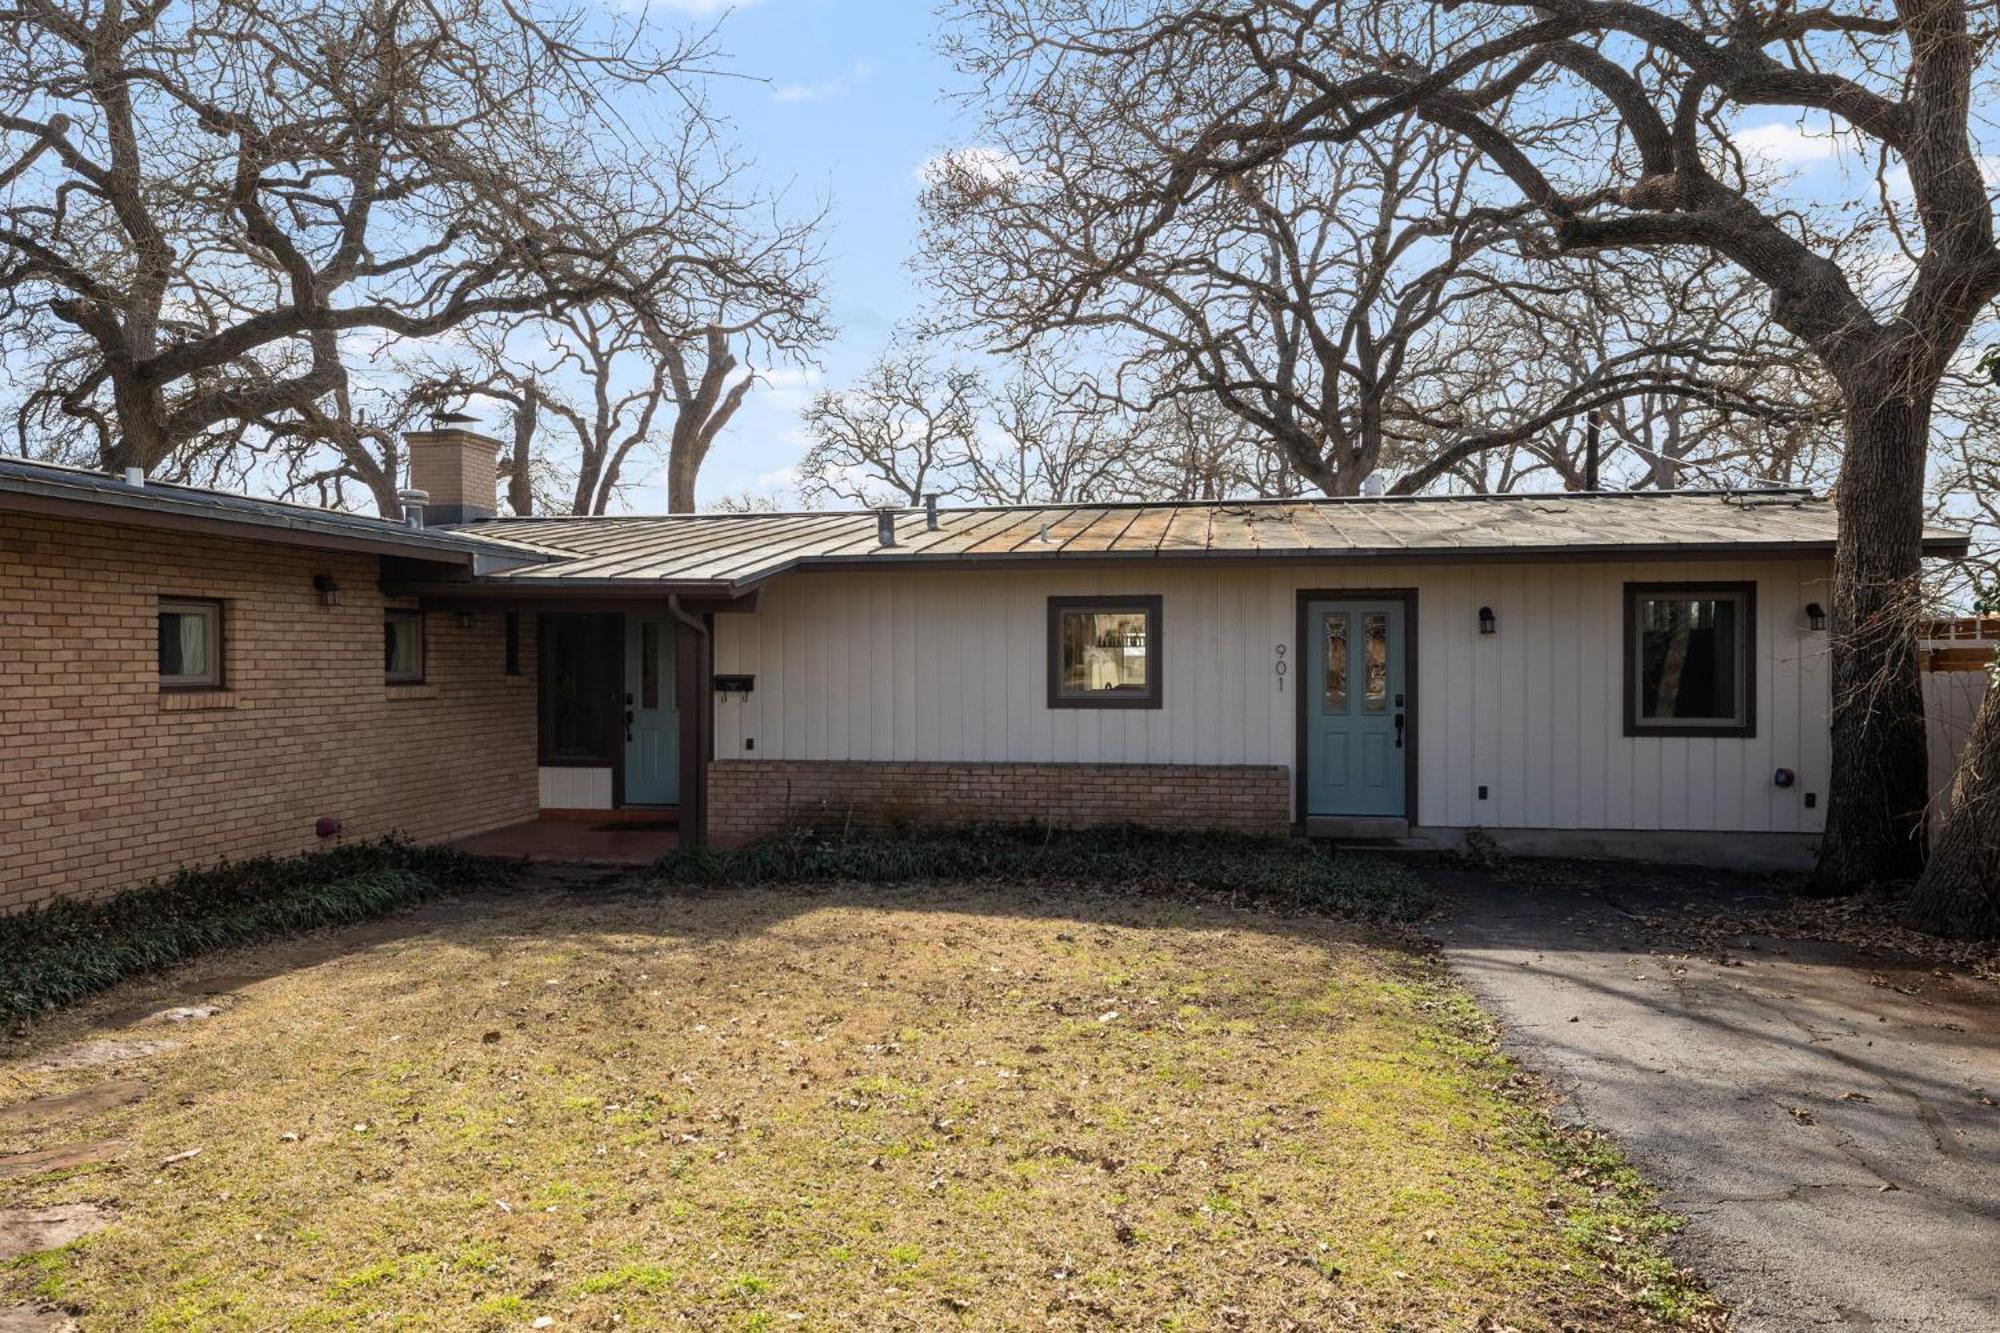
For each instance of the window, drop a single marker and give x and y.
(190, 644)
(1687, 659)
(1104, 652)
(578, 688)
(403, 647)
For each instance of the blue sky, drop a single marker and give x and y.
(841, 101)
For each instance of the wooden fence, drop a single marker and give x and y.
(1957, 660)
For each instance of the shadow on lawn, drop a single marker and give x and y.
(551, 903)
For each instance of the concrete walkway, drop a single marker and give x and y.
(1829, 1123)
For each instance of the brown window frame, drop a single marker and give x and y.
(1154, 694)
(1746, 660)
(601, 634)
(391, 615)
(215, 679)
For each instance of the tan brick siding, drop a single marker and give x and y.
(108, 781)
(755, 798)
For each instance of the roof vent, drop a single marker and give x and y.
(930, 510)
(135, 476)
(885, 526)
(1372, 485)
(413, 502)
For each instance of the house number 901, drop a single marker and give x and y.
(1279, 669)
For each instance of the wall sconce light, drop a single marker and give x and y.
(328, 590)
(465, 620)
(1815, 616)
(1486, 622)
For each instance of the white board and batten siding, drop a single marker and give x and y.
(950, 665)
(576, 788)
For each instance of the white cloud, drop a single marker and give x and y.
(1786, 145)
(991, 165)
(838, 86)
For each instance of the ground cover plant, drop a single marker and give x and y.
(860, 1106)
(1276, 870)
(57, 954)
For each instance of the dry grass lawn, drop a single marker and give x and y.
(950, 1107)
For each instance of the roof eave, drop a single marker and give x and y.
(166, 511)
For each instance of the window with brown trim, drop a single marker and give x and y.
(1104, 652)
(1689, 668)
(579, 680)
(190, 643)
(403, 647)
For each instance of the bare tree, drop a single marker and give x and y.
(1653, 164)
(895, 436)
(1326, 297)
(1045, 434)
(204, 200)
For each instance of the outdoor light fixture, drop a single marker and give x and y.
(465, 620)
(328, 590)
(1486, 621)
(1815, 615)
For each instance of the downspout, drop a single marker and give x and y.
(695, 747)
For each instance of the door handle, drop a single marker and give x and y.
(1399, 731)
(628, 725)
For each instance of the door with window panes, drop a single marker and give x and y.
(1356, 722)
(652, 722)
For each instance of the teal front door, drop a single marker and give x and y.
(652, 723)
(1356, 724)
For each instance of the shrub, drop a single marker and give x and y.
(59, 953)
(1115, 856)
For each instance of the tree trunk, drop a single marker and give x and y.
(1959, 893)
(683, 467)
(520, 473)
(1878, 784)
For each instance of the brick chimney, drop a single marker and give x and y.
(459, 470)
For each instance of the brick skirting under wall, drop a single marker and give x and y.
(755, 798)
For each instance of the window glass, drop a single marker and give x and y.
(1104, 650)
(1375, 666)
(1690, 657)
(1333, 691)
(403, 645)
(581, 666)
(190, 643)
(649, 664)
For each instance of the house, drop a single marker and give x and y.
(190, 675)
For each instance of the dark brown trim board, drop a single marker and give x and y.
(1412, 730)
(694, 670)
(1746, 653)
(1155, 693)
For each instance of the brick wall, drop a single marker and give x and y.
(755, 798)
(105, 781)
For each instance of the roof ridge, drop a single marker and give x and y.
(1713, 493)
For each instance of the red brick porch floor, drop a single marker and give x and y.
(574, 840)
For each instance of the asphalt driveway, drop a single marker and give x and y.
(1826, 1120)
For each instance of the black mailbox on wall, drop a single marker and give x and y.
(735, 684)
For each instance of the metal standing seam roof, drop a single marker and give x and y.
(76, 489)
(734, 552)
(737, 551)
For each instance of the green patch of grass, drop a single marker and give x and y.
(1125, 857)
(57, 954)
(644, 1279)
(953, 1105)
